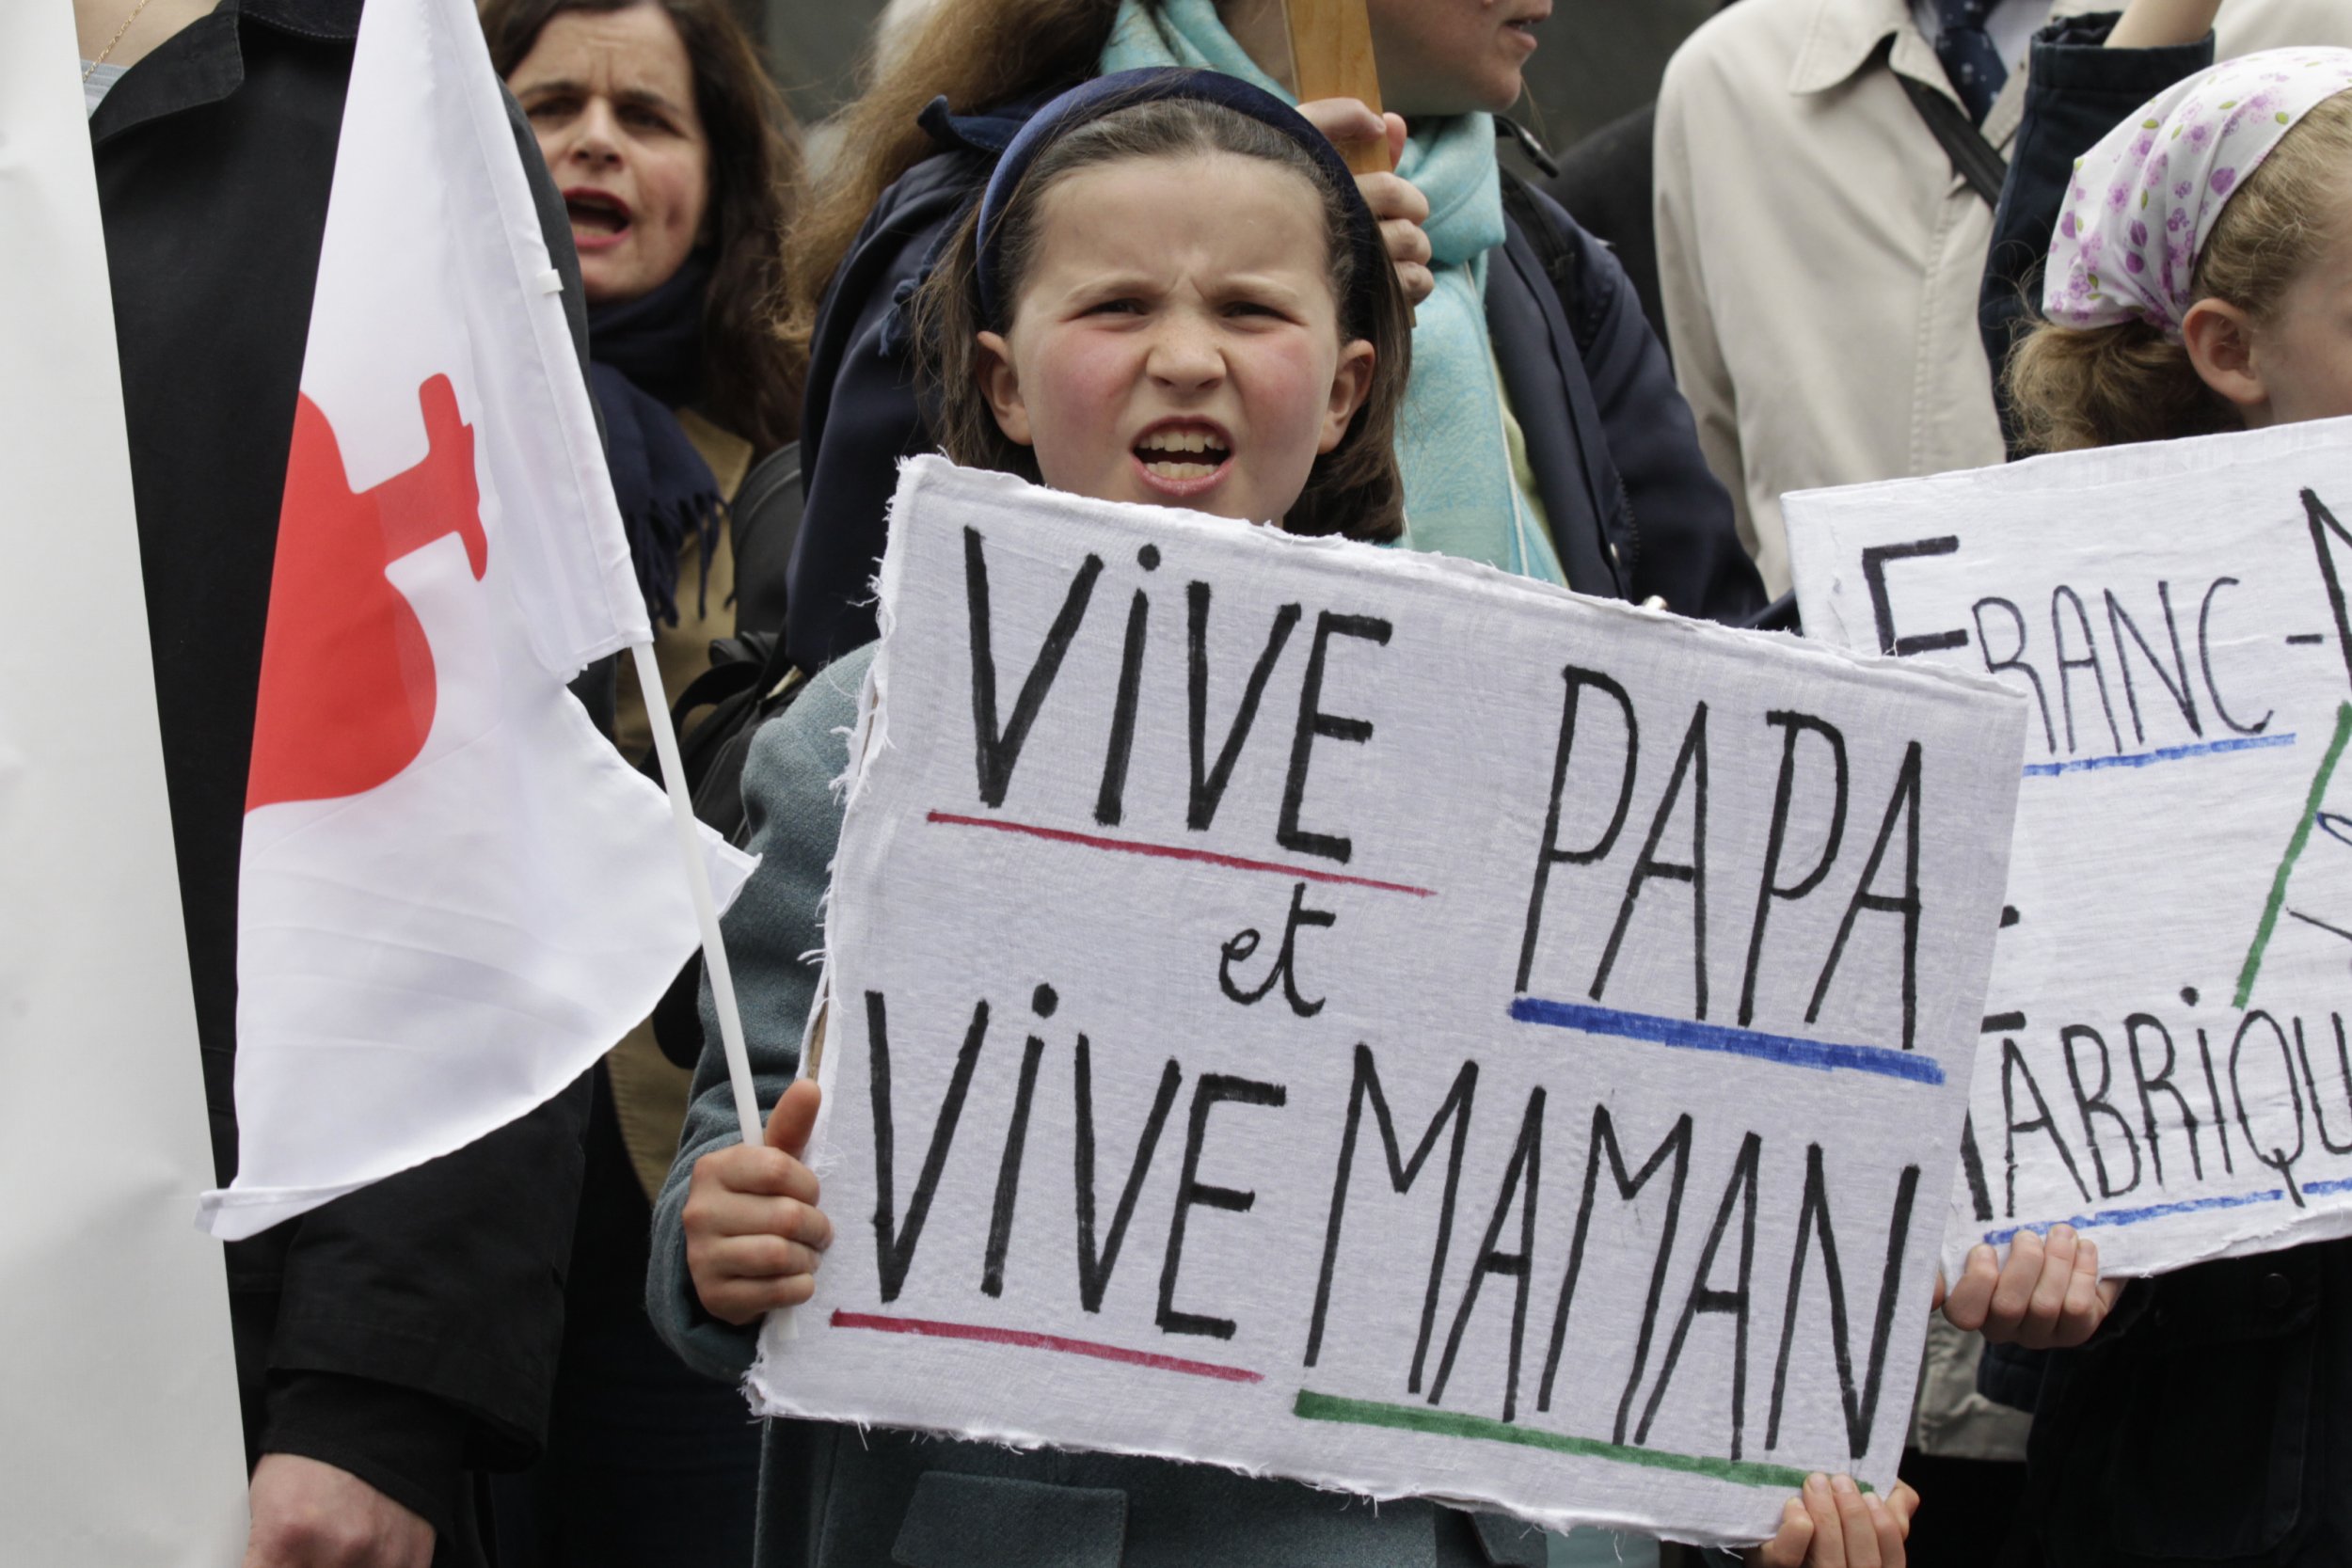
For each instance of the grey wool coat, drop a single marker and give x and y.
(832, 1498)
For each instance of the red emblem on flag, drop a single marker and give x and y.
(347, 691)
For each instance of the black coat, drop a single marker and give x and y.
(410, 1328)
(2210, 1420)
(1634, 512)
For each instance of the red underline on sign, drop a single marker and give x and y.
(1027, 1340)
(1176, 852)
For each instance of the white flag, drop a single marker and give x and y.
(453, 895)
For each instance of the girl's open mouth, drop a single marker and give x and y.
(599, 218)
(1183, 459)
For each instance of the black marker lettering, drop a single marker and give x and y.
(1676, 1144)
(2161, 1081)
(1208, 1091)
(1000, 750)
(1521, 1177)
(1094, 1268)
(1208, 783)
(1793, 725)
(2278, 1159)
(2311, 1081)
(1739, 1192)
(2097, 1105)
(1455, 1107)
(1314, 722)
(1903, 804)
(2016, 659)
(2323, 524)
(1552, 854)
(2013, 1068)
(893, 1247)
(1972, 1165)
(1690, 762)
(1861, 1411)
(1110, 800)
(2089, 661)
(1286, 970)
(2213, 1096)
(2205, 656)
(2176, 686)
(1874, 560)
(1008, 1171)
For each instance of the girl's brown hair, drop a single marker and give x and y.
(978, 54)
(1354, 489)
(2073, 387)
(750, 375)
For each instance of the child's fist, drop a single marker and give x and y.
(753, 1232)
(1835, 1524)
(2046, 1296)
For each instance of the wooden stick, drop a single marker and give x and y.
(1331, 58)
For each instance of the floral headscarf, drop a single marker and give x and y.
(2144, 200)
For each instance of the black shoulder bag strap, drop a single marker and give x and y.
(1973, 159)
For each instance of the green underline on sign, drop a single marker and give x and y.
(1450, 1423)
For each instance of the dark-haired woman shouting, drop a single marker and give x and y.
(675, 159)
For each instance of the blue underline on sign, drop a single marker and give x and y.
(1685, 1034)
(2137, 1216)
(2113, 1217)
(2162, 754)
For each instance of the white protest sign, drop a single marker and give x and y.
(1343, 1014)
(2165, 1063)
(121, 1443)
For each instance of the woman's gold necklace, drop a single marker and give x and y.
(93, 66)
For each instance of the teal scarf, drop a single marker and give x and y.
(1462, 496)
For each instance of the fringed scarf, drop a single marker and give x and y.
(645, 358)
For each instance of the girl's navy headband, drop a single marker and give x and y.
(1124, 90)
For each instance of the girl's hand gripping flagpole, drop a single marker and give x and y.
(707, 912)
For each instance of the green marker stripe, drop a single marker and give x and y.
(2295, 849)
(1449, 1423)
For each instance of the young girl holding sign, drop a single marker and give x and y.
(2200, 281)
(1170, 292)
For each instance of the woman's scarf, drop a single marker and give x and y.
(2145, 200)
(645, 358)
(1462, 496)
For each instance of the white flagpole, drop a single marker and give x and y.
(698, 880)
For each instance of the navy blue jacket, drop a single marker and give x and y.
(1634, 512)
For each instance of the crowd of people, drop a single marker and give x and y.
(1100, 245)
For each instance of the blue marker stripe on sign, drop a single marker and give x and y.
(2137, 1216)
(2165, 1211)
(1789, 1050)
(2162, 754)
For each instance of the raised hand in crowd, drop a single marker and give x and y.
(310, 1515)
(2047, 1296)
(1394, 200)
(753, 1232)
(1835, 1524)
